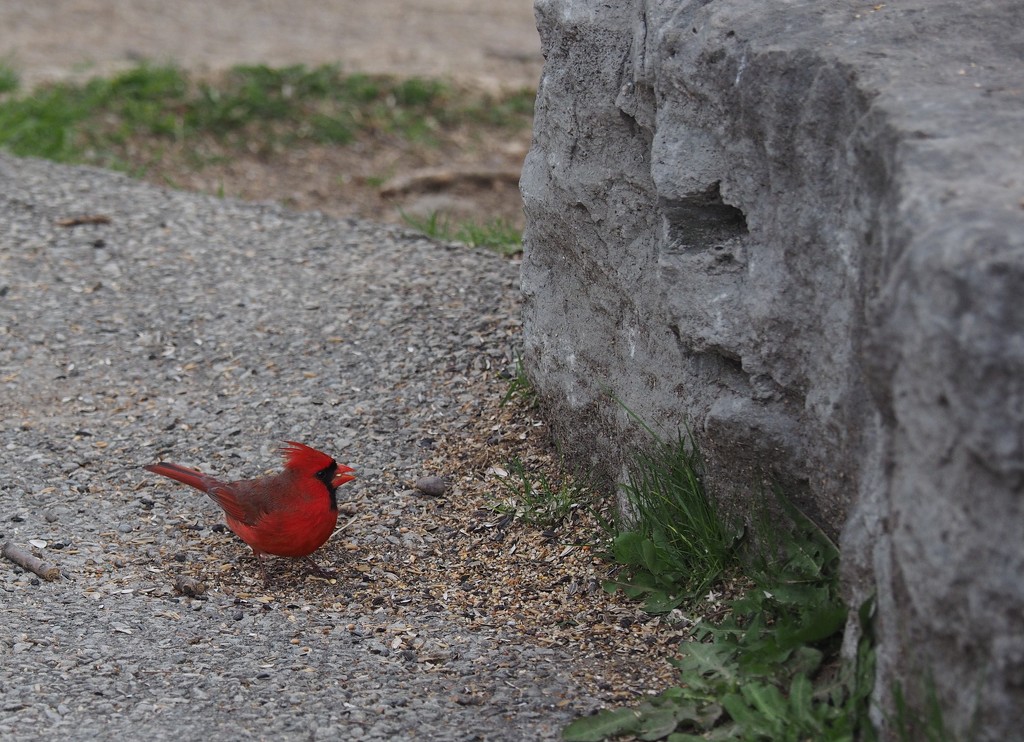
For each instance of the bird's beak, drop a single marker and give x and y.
(343, 475)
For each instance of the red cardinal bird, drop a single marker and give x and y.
(290, 514)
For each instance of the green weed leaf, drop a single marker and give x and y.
(655, 723)
(757, 674)
(601, 726)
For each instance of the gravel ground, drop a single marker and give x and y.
(205, 332)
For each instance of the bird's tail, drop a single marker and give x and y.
(183, 474)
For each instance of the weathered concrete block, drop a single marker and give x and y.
(799, 228)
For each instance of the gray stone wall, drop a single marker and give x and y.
(799, 228)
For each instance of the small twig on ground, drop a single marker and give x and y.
(435, 178)
(75, 221)
(33, 564)
(342, 527)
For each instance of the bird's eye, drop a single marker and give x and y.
(326, 475)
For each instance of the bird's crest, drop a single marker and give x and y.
(301, 458)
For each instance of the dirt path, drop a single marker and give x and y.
(492, 43)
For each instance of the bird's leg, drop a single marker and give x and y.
(317, 569)
(260, 562)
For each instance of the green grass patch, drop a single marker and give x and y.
(252, 108)
(506, 110)
(9, 79)
(676, 546)
(770, 669)
(496, 234)
(92, 122)
(528, 493)
(520, 388)
(533, 499)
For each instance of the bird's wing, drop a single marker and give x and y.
(250, 500)
(238, 508)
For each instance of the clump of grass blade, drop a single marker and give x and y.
(676, 544)
(924, 723)
(496, 234)
(520, 388)
(9, 78)
(533, 498)
(770, 669)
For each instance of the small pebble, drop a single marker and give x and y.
(125, 528)
(188, 586)
(432, 486)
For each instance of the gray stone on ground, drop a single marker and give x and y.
(799, 228)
